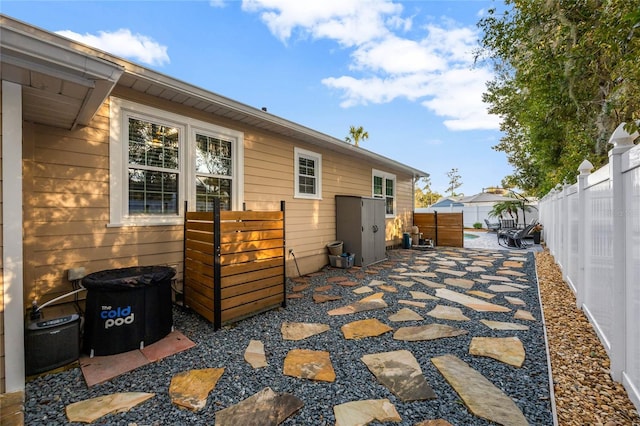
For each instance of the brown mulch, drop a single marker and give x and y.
(585, 394)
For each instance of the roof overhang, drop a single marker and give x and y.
(65, 83)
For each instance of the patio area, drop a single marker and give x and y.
(440, 334)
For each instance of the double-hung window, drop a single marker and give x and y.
(384, 186)
(308, 174)
(159, 160)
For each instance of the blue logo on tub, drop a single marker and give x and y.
(116, 317)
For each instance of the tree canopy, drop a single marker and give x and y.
(567, 73)
(455, 182)
(356, 134)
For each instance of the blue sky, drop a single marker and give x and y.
(403, 70)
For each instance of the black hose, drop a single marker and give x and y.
(296, 262)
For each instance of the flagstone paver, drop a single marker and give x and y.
(265, 408)
(505, 349)
(405, 314)
(301, 330)
(435, 422)
(407, 284)
(369, 303)
(309, 364)
(323, 288)
(501, 325)
(502, 288)
(362, 290)
(364, 328)
(452, 272)
(480, 396)
(509, 272)
(190, 389)
(90, 410)
(300, 287)
(448, 313)
(388, 288)
(254, 354)
(420, 295)
(412, 303)
(359, 413)
(427, 332)
(482, 294)
(524, 315)
(515, 301)
(495, 278)
(470, 302)
(429, 283)
(400, 372)
(459, 282)
(322, 298)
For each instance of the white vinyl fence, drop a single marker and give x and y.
(478, 212)
(592, 228)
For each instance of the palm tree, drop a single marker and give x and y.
(509, 207)
(356, 135)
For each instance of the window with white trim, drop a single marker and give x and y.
(308, 174)
(159, 159)
(384, 186)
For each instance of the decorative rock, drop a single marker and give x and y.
(505, 349)
(322, 298)
(427, 332)
(470, 302)
(448, 313)
(524, 315)
(265, 408)
(480, 396)
(308, 364)
(359, 413)
(364, 328)
(90, 410)
(362, 290)
(400, 372)
(405, 314)
(301, 330)
(499, 325)
(369, 303)
(459, 282)
(190, 389)
(254, 354)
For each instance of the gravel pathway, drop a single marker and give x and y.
(528, 386)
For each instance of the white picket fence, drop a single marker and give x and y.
(592, 229)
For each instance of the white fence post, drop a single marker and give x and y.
(584, 169)
(622, 142)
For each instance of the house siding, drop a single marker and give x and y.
(66, 202)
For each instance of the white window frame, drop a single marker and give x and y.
(303, 153)
(120, 112)
(384, 175)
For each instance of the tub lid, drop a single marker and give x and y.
(128, 277)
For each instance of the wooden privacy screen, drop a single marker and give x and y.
(445, 229)
(233, 263)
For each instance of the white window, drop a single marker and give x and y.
(308, 174)
(160, 159)
(384, 186)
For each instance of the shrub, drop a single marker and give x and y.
(477, 225)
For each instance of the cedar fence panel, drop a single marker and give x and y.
(234, 263)
(445, 229)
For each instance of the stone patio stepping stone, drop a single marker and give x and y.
(420, 274)
(407, 284)
(375, 283)
(429, 283)
(448, 313)
(322, 298)
(308, 364)
(400, 372)
(521, 286)
(510, 273)
(503, 288)
(301, 330)
(500, 325)
(369, 303)
(427, 332)
(518, 259)
(364, 328)
(388, 288)
(515, 301)
(323, 288)
(300, 287)
(90, 410)
(482, 263)
(348, 283)
(445, 262)
(482, 294)
(452, 272)
(420, 295)
(460, 282)
(405, 314)
(362, 290)
(265, 408)
(512, 264)
(478, 305)
(505, 349)
(480, 396)
(435, 422)
(359, 413)
(412, 303)
(495, 278)
(481, 281)
(295, 296)
(336, 279)
(190, 389)
(524, 315)
(254, 354)
(475, 269)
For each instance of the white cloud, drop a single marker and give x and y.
(123, 43)
(434, 67)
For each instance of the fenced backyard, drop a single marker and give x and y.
(445, 229)
(592, 228)
(234, 263)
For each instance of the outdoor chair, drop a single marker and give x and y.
(492, 227)
(515, 238)
(507, 224)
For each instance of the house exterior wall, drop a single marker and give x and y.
(66, 186)
(2, 381)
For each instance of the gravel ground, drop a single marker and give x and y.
(47, 396)
(585, 394)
